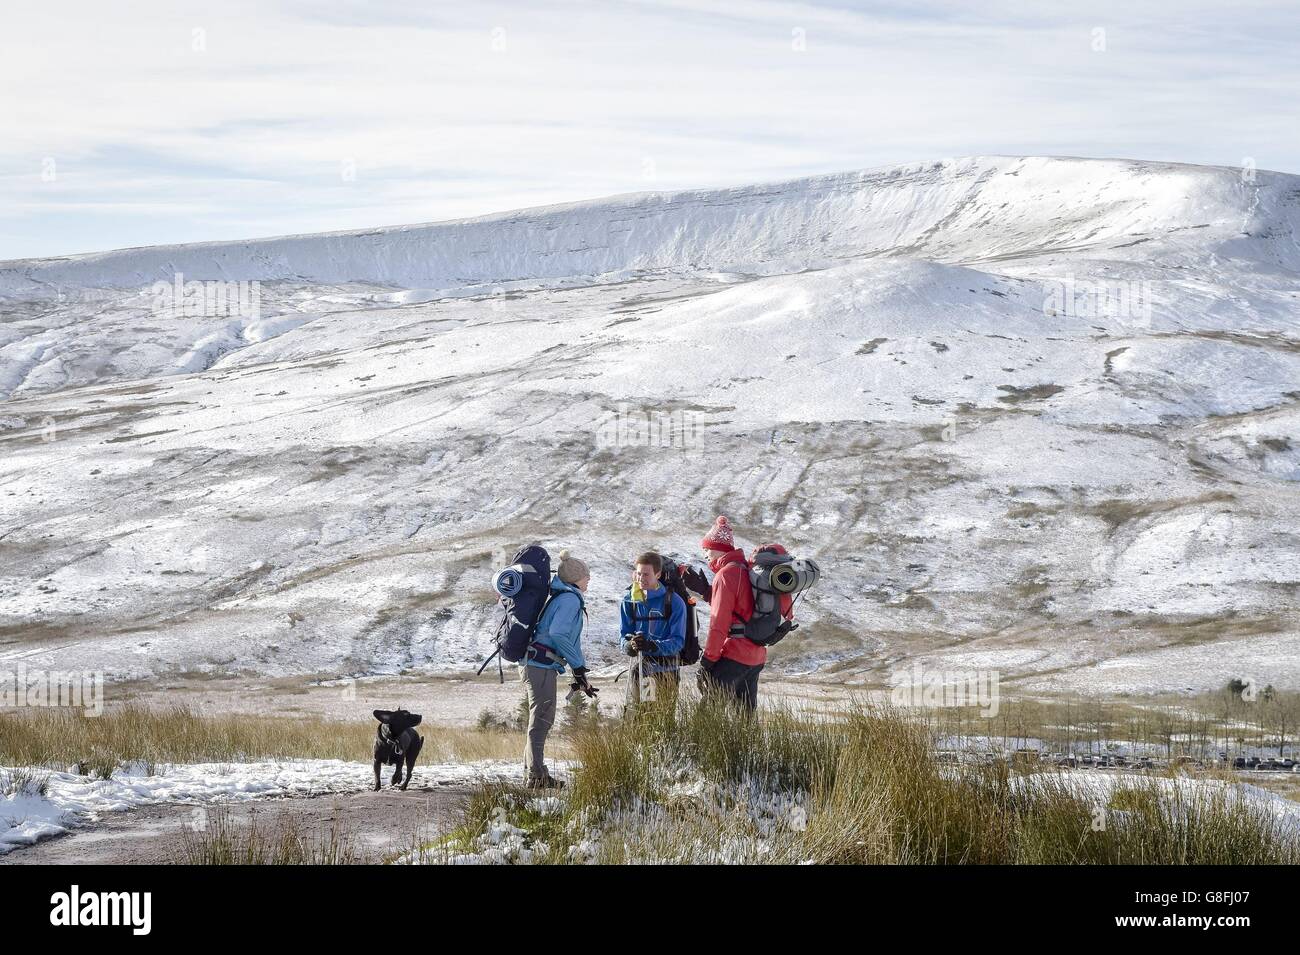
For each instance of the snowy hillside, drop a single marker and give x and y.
(1033, 415)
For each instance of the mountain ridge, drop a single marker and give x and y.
(414, 255)
(1033, 416)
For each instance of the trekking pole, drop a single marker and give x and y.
(638, 599)
(649, 688)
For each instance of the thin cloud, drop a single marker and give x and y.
(172, 122)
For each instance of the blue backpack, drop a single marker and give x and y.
(522, 590)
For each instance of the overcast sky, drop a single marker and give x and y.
(157, 122)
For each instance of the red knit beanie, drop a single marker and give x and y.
(719, 536)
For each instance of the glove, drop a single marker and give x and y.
(696, 582)
(644, 644)
(629, 647)
(580, 681)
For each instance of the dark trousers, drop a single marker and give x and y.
(734, 680)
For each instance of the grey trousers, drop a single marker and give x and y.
(539, 686)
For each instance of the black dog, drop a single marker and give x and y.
(396, 741)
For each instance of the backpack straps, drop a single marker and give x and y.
(534, 644)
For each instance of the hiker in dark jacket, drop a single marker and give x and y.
(653, 631)
(731, 663)
(558, 642)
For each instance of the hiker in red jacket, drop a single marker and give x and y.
(730, 663)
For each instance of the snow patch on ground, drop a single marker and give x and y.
(71, 799)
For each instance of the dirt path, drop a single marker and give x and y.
(378, 824)
(448, 701)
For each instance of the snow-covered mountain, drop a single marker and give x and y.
(1032, 415)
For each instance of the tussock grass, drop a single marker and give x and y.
(59, 738)
(890, 801)
(631, 759)
(226, 841)
(21, 781)
(703, 782)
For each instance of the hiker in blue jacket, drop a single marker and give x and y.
(558, 642)
(653, 631)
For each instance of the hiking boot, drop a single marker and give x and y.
(545, 782)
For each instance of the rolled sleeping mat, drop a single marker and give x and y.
(794, 576)
(510, 581)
